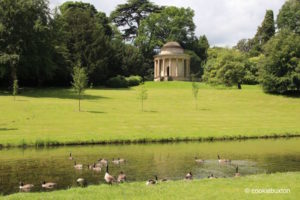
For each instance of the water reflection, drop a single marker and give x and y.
(143, 162)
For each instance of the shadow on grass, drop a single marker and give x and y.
(150, 111)
(8, 129)
(94, 112)
(204, 109)
(289, 94)
(61, 93)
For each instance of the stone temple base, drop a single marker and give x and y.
(170, 78)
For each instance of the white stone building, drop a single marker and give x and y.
(171, 63)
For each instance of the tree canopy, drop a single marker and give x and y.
(170, 24)
(128, 16)
(226, 66)
(281, 66)
(289, 16)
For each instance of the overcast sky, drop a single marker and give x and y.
(224, 22)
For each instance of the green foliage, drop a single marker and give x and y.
(252, 70)
(117, 82)
(142, 95)
(170, 24)
(226, 67)
(15, 88)
(281, 66)
(132, 60)
(195, 63)
(243, 45)
(87, 38)
(197, 49)
(264, 32)
(134, 80)
(289, 16)
(25, 33)
(128, 16)
(80, 81)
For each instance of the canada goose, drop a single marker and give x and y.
(70, 156)
(121, 160)
(98, 165)
(121, 177)
(96, 168)
(77, 166)
(48, 185)
(199, 161)
(211, 176)
(223, 160)
(25, 187)
(151, 181)
(237, 174)
(115, 161)
(107, 177)
(90, 166)
(102, 161)
(164, 180)
(81, 182)
(189, 176)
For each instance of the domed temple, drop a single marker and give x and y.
(171, 63)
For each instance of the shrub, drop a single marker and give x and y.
(281, 66)
(134, 80)
(117, 82)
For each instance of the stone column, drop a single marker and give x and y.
(170, 68)
(188, 67)
(154, 68)
(176, 70)
(164, 70)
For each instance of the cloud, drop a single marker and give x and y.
(224, 22)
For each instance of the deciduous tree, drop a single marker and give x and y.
(80, 81)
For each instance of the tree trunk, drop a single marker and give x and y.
(142, 105)
(239, 86)
(79, 103)
(13, 73)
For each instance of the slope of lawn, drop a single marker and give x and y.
(222, 188)
(40, 116)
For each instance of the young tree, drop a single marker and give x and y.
(15, 88)
(195, 89)
(79, 83)
(142, 94)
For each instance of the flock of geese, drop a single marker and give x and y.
(97, 167)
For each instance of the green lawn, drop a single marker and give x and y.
(230, 188)
(51, 115)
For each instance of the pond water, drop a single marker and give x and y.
(172, 161)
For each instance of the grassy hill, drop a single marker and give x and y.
(49, 116)
(236, 188)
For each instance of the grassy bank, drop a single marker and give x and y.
(229, 188)
(43, 117)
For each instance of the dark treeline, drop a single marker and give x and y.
(40, 47)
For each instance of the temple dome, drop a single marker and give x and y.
(171, 48)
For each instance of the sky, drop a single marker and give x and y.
(224, 22)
